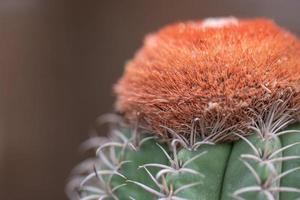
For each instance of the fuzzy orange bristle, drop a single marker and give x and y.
(212, 70)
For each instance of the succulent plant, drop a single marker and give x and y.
(206, 110)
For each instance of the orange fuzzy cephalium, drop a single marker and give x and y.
(221, 73)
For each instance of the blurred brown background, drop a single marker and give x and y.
(58, 61)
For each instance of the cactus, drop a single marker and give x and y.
(207, 110)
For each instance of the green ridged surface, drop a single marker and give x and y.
(149, 152)
(211, 164)
(292, 179)
(222, 167)
(238, 175)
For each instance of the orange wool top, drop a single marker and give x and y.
(218, 71)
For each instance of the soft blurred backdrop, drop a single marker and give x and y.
(58, 61)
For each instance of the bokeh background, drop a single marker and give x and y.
(58, 61)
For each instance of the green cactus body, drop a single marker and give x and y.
(255, 167)
(146, 153)
(212, 165)
(239, 175)
(292, 179)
